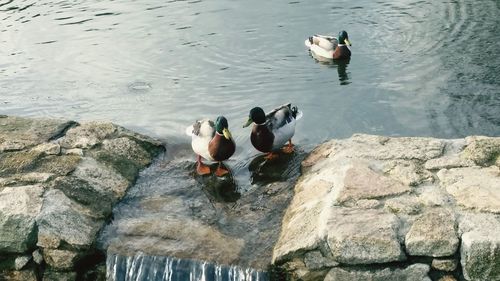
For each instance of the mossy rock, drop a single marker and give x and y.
(84, 193)
(484, 151)
(18, 162)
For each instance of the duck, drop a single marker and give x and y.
(329, 47)
(272, 131)
(212, 141)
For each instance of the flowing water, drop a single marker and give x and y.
(419, 67)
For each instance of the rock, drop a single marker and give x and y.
(101, 178)
(18, 133)
(447, 278)
(433, 196)
(18, 162)
(37, 256)
(480, 248)
(63, 220)
(367, 203)
(19, 207)
(410, 173)
(191, 242)
(87, 135)
(473, 187)
(48, 148)
(50, 275)
(448, 162)
(363, 236)
(60, 259)
(482, 150)
(72, 151)
(124, 155)
(34, 162)
(403, 205)
(414, 272)
(23, 275)
(384, 148)
(21, 262)
(315, 260)
(100, 202)
(433, 234)
(363, 183)
(444, 264)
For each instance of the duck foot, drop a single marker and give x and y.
(290, 148)
(271, 156)
(220, 172)
(201, 168)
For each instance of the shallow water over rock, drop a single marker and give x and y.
(172, 212)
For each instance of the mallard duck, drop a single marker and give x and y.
(272, 131)
(212, 141)
(329, 47)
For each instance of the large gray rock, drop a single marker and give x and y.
(65, 221)
(433, 234)
(363, 236)
(19, 207)
(17, 133)
(473, 187)
(415, 272)
(361, 182)
(480, 248)
(482, 150)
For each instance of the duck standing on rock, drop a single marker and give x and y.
(212, 141)
(270, 132)
(329, 47)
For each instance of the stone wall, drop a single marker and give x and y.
(380, 208)
(59, 181)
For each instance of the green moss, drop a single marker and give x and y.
(18, 162)
(125, 167)
(59, 165)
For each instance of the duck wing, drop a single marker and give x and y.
(282, 115)
(201, 128)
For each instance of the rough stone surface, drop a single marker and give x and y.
(21, 262)
(444, 264)
(415, 272)
(315, 260)
(17, 133)
(19, 207)
(433, 234)
(58, 183)
(473, 187)
(375, 242)
(363, 183)
(20, 275)
(480, 248)
(63, 220)
(59, 276)
(60, 259)
(419, 187)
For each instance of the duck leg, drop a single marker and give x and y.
(289, 148)
(221, 171)
(271, 156)
(201, 168)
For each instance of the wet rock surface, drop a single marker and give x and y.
(53, 201)
(380, 208)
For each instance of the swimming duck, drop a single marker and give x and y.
(329, 47)
(271, 132)
(212, 141)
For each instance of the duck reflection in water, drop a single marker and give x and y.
(282, 168)
(340, 65)
(219, 188)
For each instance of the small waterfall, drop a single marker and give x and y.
(161, 268)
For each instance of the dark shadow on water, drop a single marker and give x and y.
(340, 65)
(220, 189)
(285, 167)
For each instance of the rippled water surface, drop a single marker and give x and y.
(427, 68)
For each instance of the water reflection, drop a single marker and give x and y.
(285, 167)
(340, 65)
(219, 189)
